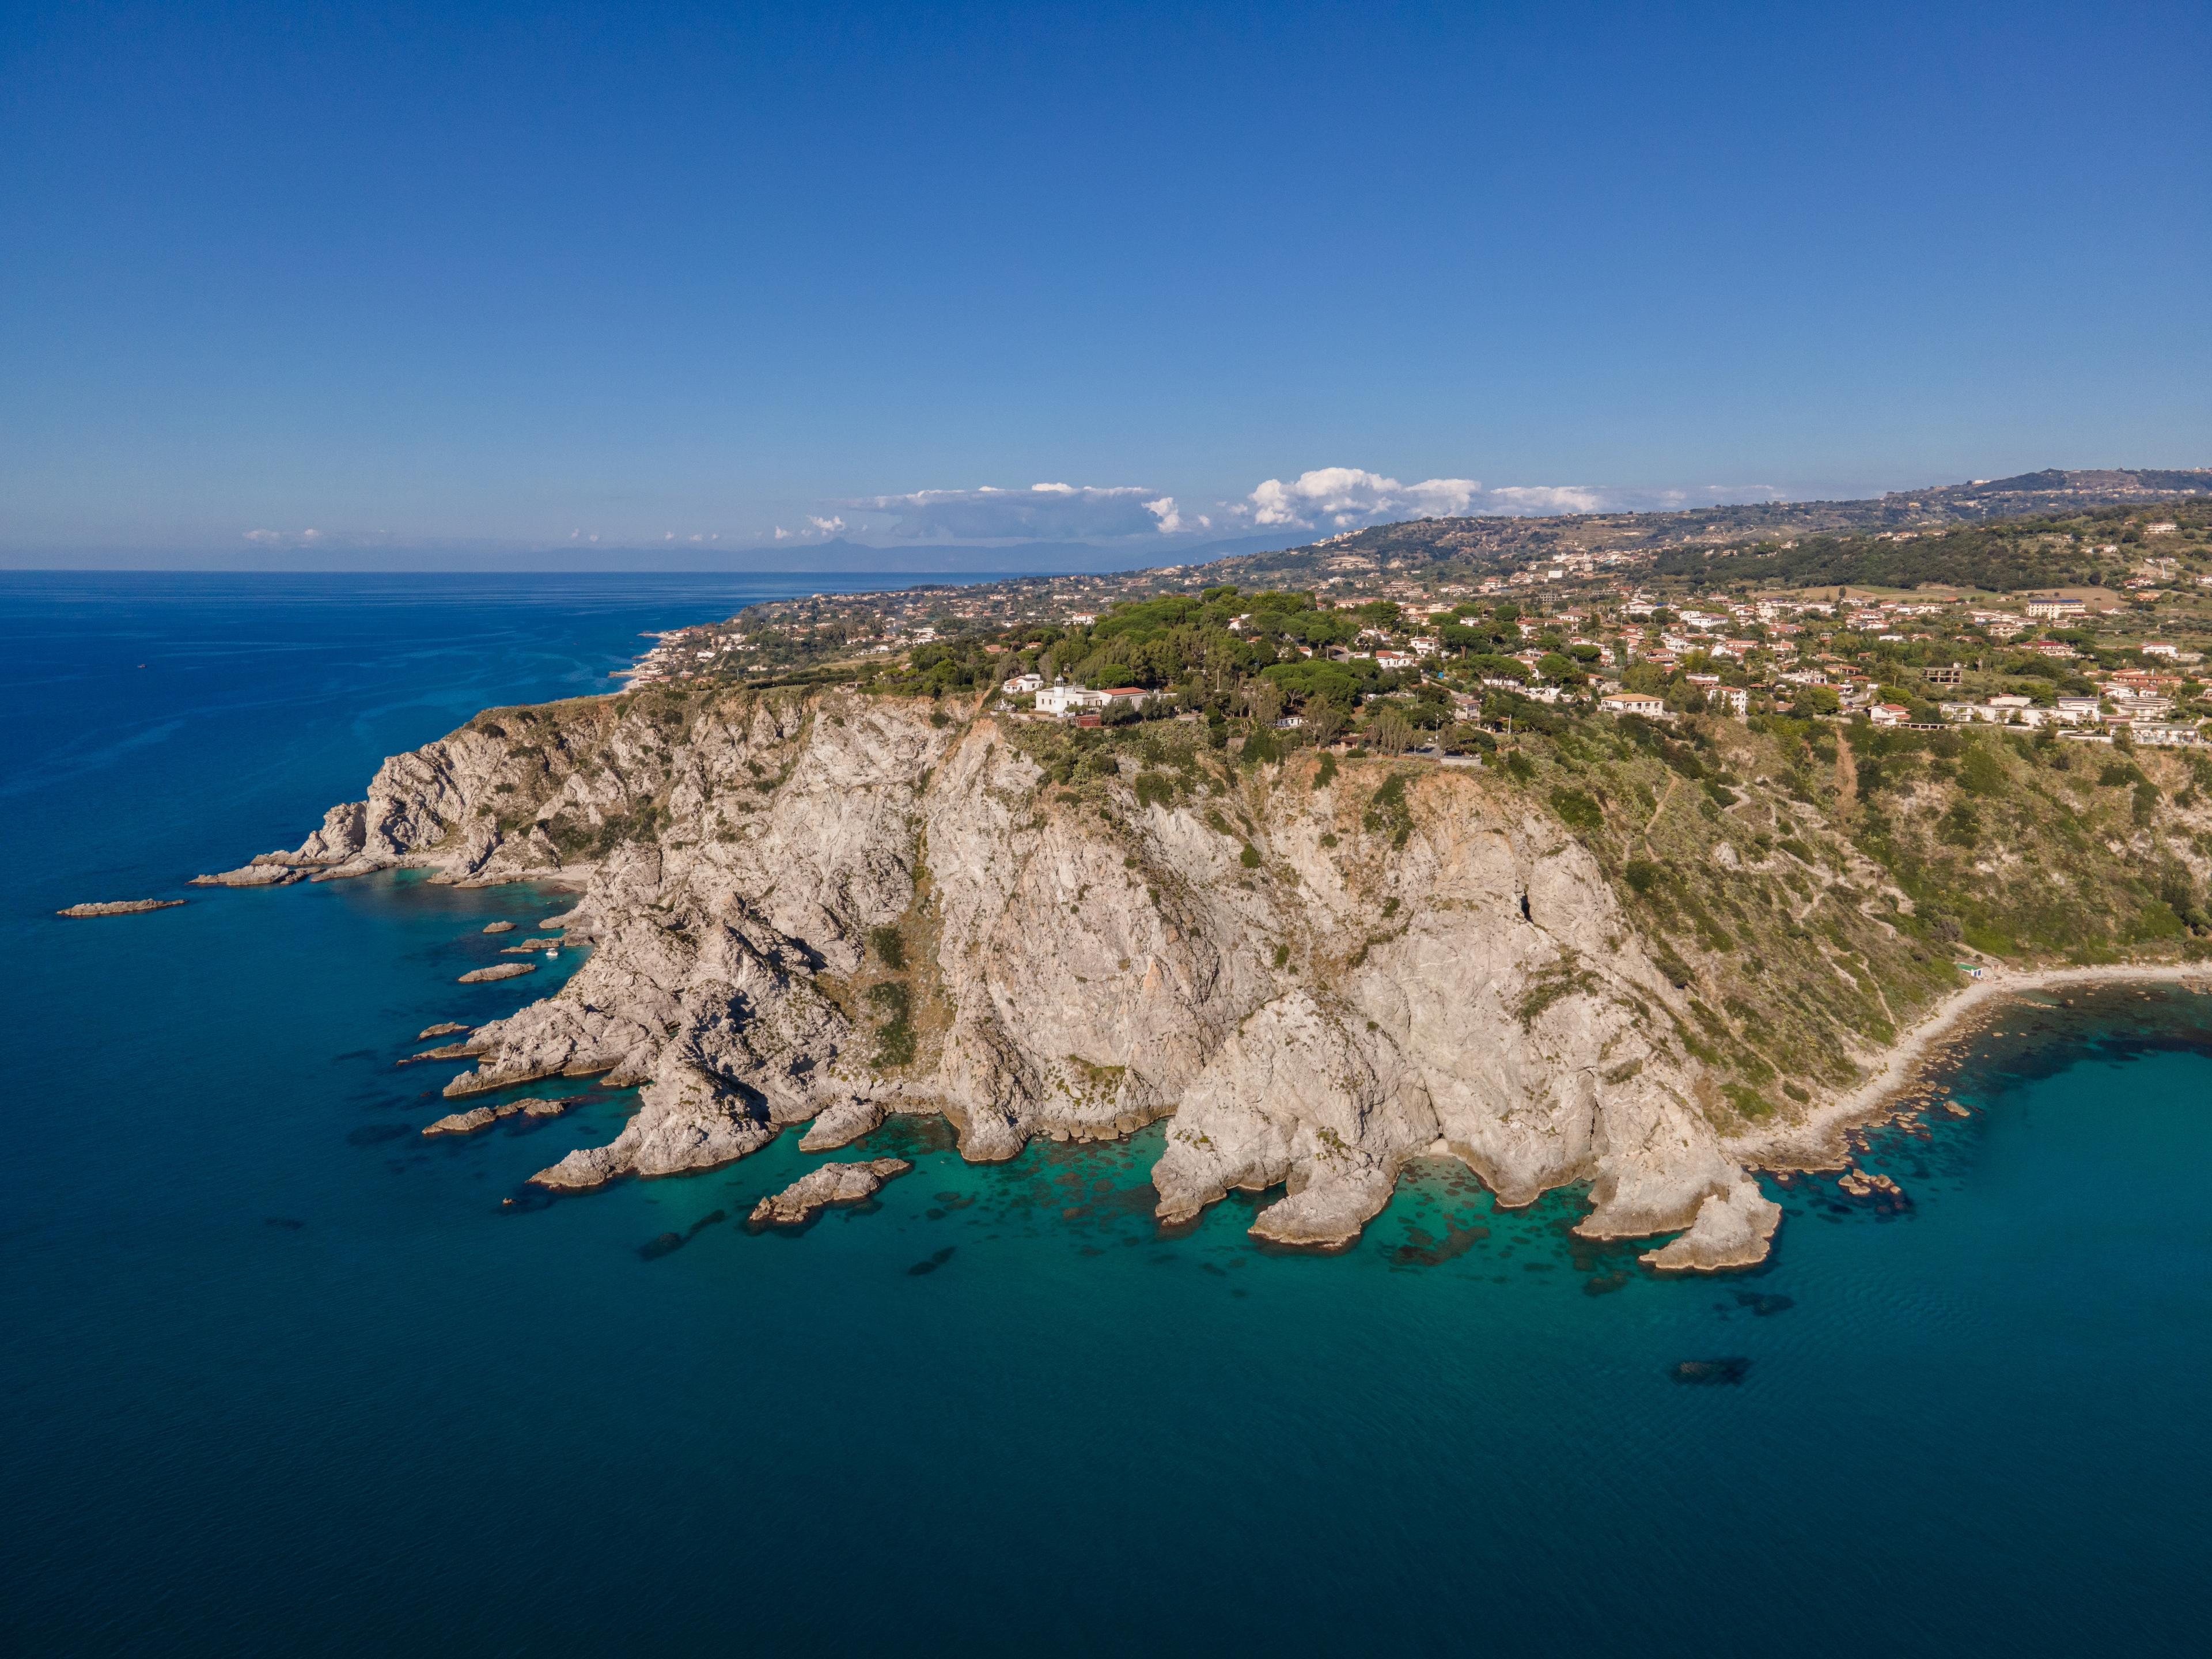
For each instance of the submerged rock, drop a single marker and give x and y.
(833, 1183)
(120, 907)
(1707, 1373)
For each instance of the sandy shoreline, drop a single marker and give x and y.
(1818, 1141)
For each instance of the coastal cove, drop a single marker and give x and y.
(285, 1375)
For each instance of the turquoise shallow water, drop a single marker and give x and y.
(279, 1377)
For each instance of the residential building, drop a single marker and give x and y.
(1066, 699)
(1634, 702)
(2052, 609)
(2142, 708)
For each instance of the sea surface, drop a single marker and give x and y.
(277, 1375)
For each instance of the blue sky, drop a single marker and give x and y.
(455, 276)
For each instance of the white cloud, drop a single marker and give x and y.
(1344, 496)
(1043, 512)
(827, 527)
(1535, 498)
(1347, 497)
(266, 538)
(1164, 510)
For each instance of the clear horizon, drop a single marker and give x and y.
(474, 284)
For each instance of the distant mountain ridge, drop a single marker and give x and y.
(1423, 542)
(2055, 490)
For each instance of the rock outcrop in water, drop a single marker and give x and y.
(821, 909)
(833, 1183)
(119, 907)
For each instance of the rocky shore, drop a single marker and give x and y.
(820, 909)
(1820, 1140)
(120, 907)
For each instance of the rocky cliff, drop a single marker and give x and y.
(811, 907)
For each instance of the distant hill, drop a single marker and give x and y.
(2053, 491)
(1844, 529)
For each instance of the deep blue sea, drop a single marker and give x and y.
(278, 1377)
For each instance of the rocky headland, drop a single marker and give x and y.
(814, 907)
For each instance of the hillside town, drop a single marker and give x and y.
(1456, 646)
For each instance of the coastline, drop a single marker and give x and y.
(1817, 1142)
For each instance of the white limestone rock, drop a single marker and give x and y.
(1469, 988)
(833, 1183)
(1733, 1229)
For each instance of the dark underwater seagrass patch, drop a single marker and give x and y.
(1711, 1373)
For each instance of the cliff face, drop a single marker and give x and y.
(821, 908)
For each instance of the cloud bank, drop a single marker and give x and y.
(1352, 498)
(1345, 496)
(1043, 512)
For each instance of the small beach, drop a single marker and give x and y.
(1817, 1141)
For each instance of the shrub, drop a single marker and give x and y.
(1249, 858)
(889, 947)
(1578, 810)
(1981, 773)
(895, 1037)
(1960, 827)
(1387, 811)
(1643, 874)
